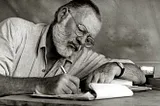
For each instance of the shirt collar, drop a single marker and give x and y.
(43, 37)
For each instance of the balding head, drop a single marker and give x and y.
(76, 4)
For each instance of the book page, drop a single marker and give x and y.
(110, 90)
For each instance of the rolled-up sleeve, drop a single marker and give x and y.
(89, 60)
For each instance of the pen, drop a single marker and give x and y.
(140, 88)
(64, 71)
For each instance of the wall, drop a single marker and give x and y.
(130, 27)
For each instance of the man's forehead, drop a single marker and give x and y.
(92, 23)
(89, 20)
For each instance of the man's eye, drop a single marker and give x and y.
(81, 28)
(89, 40)
(81, 32)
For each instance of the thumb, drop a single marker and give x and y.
(109, 78)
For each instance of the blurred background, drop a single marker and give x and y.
(131, 28)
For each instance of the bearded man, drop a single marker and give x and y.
(32, 56)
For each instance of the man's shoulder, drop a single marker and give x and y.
(16, 29)
(17, 21)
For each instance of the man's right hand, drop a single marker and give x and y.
(61, 84)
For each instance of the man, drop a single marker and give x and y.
(32, 56)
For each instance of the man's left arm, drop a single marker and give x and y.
(100, 69)
(107, 72)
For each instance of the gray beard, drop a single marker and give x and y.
(60, 42)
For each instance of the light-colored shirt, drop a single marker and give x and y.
(23, 52)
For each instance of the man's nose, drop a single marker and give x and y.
(81, 39)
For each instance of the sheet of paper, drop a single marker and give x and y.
(110, 90)
(81, 96)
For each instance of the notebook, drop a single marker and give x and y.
(118, 88)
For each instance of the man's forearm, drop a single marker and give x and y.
(12, 85)
(133, 73)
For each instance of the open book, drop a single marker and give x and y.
(118, 88)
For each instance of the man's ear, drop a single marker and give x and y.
(62, 14)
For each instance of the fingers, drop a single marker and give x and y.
(74, 80)
(100, 78)
(73, 88)
(70, 84)
(96, 78)
(60, 84)
(89, 79)
(109, 79)
(104, 74)
(66, 90)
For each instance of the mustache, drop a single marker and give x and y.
(74, 45)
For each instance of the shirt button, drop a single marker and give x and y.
(43, 70)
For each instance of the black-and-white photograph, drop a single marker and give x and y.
(80, 52)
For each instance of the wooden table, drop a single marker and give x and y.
(148, 98)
